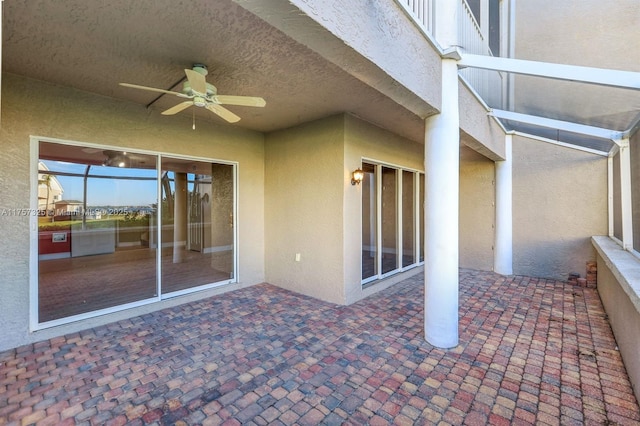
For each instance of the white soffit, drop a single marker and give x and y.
(601, 76)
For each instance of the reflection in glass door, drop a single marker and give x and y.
(369, 222)
(197, 224)
(97, 213)
(99, 244)
(408, 222)
(421, 217)
(389, 215)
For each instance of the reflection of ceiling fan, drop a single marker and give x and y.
(203, 94)
(115, 158)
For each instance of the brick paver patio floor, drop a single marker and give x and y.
(532, 351)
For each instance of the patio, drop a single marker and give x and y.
(532, 351)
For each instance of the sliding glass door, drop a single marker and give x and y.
(116, 229)
(392, 225)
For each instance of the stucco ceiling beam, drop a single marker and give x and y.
(600, 76)
(568, 126)
(311, 24)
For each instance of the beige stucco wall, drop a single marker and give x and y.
(479, 131)
(34, 108)
(477, 210)
(584, 31)
(366, 141)
(559, 202)
(634, 151)
(303, 210)
(312, 208)
(619, 290)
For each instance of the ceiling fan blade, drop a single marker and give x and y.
(196, 81)
(240, 100)
(223, 112)
(152, 89)
(176, 109)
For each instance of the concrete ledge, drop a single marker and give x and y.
(624, 266)
(619, 290)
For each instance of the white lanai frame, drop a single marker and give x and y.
(599, 76)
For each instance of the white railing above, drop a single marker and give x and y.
(488, 84)
(421, 11)
(470, 37)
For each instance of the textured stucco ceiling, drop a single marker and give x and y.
(92, 45)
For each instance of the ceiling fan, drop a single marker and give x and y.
(202, 94)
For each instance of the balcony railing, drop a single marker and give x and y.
(421, 11)
(488, 84)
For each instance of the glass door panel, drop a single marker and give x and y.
(369, 222)
(389, 216)
(408, 220)
(421, 219)
(197, 224)
(98, 210)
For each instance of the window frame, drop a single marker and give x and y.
(417, 249)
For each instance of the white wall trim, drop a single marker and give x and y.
(625, 195)
(610, 205)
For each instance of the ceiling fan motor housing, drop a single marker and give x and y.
(211, 89)
(201, 69)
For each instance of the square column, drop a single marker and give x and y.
(503, 247)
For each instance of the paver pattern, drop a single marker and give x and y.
(532, 351)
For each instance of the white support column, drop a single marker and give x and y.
(610, 178)
(503, 249)
(625, 195)
(442, 176)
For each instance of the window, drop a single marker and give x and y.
(494, 27)
(125, 232)
(392, 223)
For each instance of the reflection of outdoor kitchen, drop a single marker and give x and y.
(68, 228)
(196, 217)
(96, 257)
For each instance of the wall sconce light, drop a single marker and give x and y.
(357, 176)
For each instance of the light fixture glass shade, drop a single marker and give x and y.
(357, 176)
